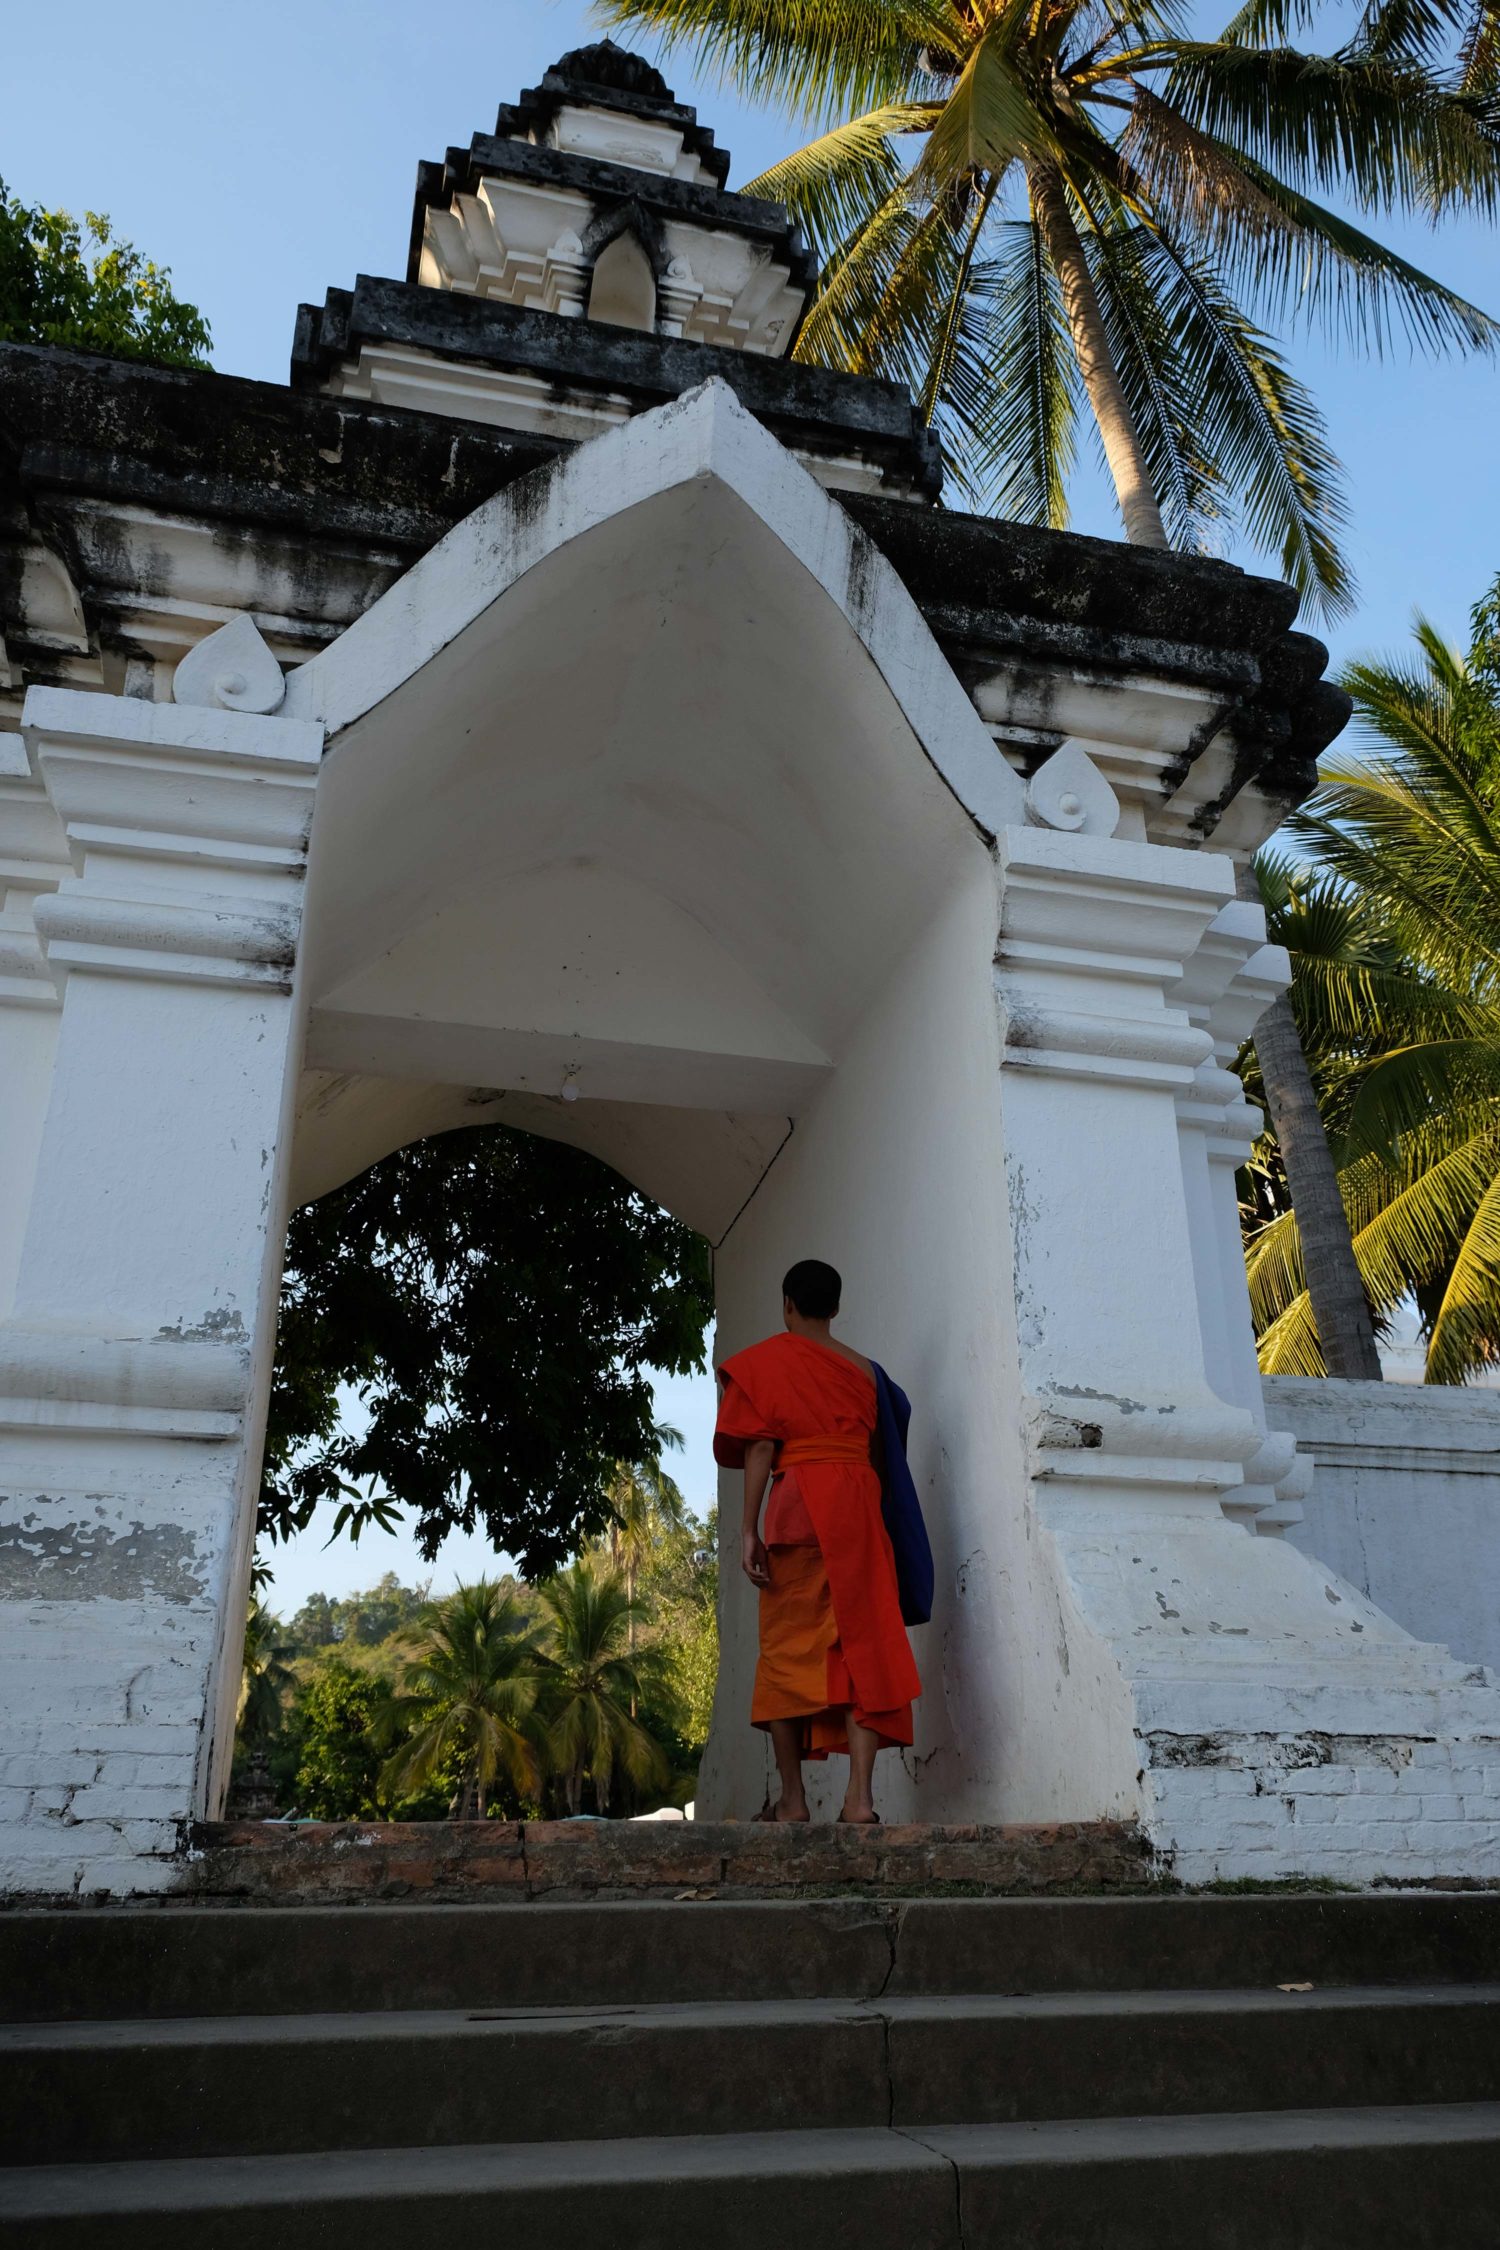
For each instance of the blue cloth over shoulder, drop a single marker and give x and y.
(899, 1505)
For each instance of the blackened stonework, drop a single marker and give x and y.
(141, 488)
(993, 591)
(608, 186)
(813, 409)
(609, 77)
(135, 488)
(218, 445)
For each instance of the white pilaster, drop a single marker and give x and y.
(134, 1362)
(1231, 1674)
(33, 861)
(1224, 987)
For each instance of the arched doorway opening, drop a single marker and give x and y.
(642, 831)
(485, 1342)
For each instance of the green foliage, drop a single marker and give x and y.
(498, 1301)
(1394, 931)
(265, 1676)
(358, 1620)
(468, 1697)
(337, 1735)
(593, 1681)
(680, 1590)
(501, 1698)
(1191, 175)
(81, 288)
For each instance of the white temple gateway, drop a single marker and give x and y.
(558, 692)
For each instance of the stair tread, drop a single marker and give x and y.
(712, 2015)
(187, 2184)
(159, 1962)
(1082, 2140)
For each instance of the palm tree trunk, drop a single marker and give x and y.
(1122, 444)
(1339, 1304)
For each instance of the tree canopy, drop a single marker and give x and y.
(498, 1698)
(1023, 206)
(83, 288)
(498, 1302)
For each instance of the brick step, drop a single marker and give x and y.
(1425, 2178)
(312, 1862)
(177, 1960)
(260, 2086)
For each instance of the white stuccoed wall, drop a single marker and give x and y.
(136, 1351)
(1404, 1500)
(1277, 1721)
(1017, 1133)
(892, 1177)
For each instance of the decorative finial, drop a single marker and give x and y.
(1070, 792)
(232, 670)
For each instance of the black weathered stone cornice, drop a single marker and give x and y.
(993, 591)
(198, 444)
(608, 186)
(816, 409)
(341, 474)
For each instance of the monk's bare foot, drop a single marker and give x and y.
(784, 1815)
(859, 1816)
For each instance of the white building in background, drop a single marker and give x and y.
(558, 690)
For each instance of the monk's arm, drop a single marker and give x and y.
(760, 1459)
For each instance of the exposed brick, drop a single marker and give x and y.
(1322, 1781)
(451, 1859)
(33, 1771)
(103, 1803)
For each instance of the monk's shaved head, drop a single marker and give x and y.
(814, 1288)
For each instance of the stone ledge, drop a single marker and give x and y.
(496, 1861)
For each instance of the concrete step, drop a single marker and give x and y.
(261, 2086)
(1424, 2178)
(177, 1960)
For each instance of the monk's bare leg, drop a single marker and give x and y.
(786, 1741)
(859, 1801)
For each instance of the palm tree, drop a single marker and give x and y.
(1098, 207)
(468, 1695)
(593, 1684)
(265, 1675)
(1396, 942)
(1337, 1304)
(645, 1506)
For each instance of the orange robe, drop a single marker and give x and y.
(831, 1636)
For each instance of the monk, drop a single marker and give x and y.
(799, 1414)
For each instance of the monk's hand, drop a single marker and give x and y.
(753, 1557)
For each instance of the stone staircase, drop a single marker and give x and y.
(933, 2074)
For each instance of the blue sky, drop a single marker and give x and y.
(268, 154)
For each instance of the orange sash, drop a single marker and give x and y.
(838, 1445)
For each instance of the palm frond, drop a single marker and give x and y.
(1465, 1332)
(1023, 425)
(836, 184)
(1393, 137)
(1268, 23)
(1160, 384)
(1479, 52)
(989, 120)
(817, 58)
(1409, 31)
(1250, 437)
